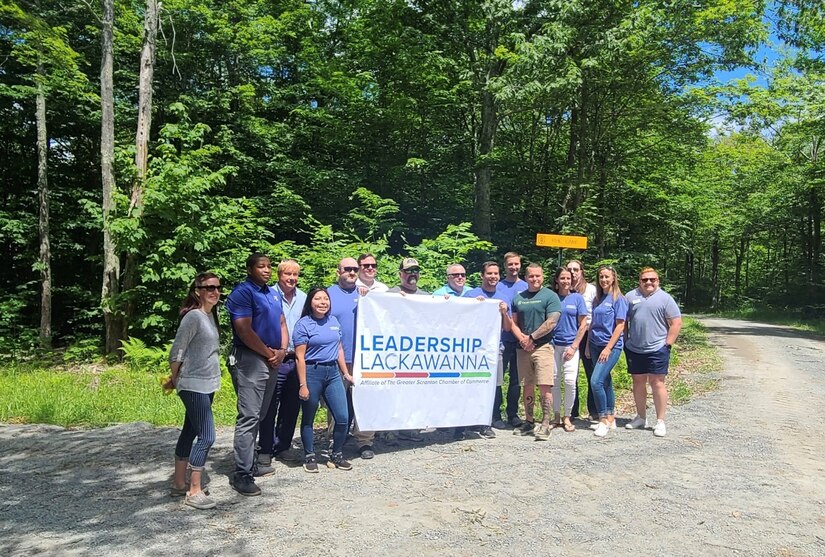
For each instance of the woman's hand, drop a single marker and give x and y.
(348, 378)
(604, 355)
(569, 352)
(303, 392)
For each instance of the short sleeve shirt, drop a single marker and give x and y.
(647, 320)
(533, 309)
(605, 314)
(344, 307)
(263, 305)
(572, 307)
(509, 290)
(321, 337)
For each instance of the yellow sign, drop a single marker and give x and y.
(561, 241)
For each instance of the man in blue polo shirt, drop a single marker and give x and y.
(456, 282)
(259, 340)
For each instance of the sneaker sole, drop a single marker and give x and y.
(199, 506)
(334, 466)
(246, 494)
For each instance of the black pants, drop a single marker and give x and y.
(278, 426)
(591, 403)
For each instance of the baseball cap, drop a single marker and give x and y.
(409, 263)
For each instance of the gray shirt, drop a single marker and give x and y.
(417, 291)
(196, 346)
(647, 317)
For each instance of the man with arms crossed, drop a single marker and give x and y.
(511, 285)
(653, 323)
(278, 426)
(535, 314)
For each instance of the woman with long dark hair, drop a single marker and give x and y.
(567, 336)
(196, 375)
(605, 343)
(319, 356)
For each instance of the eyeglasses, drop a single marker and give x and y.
(369, 265)
(648, 280)
(411, 271)
(457, 275)
(350, 269)
(209, 288)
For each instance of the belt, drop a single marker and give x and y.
(289, 357)
(320, 363)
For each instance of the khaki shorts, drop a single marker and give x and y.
(536, 367)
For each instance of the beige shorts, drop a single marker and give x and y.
(536, 367)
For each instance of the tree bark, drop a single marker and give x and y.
(111, 264)
(43, 194)
(482, 210)
(714, 274)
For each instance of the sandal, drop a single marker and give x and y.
(568, 426)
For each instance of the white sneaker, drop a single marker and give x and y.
(637, 423)
(660, 430)
(613, 425)
(601, 430)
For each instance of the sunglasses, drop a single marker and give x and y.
(369, 265)
(457, 275)
(648, 280)
(411, 271)
(350, 269)
(209, 288)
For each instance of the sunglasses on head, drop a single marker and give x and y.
(209, 288)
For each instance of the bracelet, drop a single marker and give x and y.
(302, 385)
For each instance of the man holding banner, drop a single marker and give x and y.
(536, 312)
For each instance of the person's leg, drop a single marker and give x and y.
(527, 377)
(336, 399)
(640, 393)
(587, 363)
(558, 360)
(610, 406)
(309, 407)
(545, 370)
(200, 411)
(184, 446)
(529, 402)
(574, 412)
(598, 382)
(571, 374)
(497, 404)
(251, 376)
(266, 430)
(288, 407)
(546, 394)
(657, 385)
(513, 384)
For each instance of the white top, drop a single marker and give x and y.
(377, 286)
(589, 295)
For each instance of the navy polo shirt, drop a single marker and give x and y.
(263, 305)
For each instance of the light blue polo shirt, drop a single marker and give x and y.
(322, 338)
(447, 289)
(344, 307)
(292, 312)
(572, 307)
(605, 314)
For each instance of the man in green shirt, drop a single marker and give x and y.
(535, 314)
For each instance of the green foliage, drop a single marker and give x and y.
(144, 359)
(455, 245)
(83, 351)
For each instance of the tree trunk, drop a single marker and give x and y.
(111, 264)
(43, 193)
(714, 274)
(144, 129)
(739, 253)
(483, 174)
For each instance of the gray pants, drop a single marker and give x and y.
(254, 383)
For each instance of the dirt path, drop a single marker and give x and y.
(740, 473)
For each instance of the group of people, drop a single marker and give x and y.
(291, 349)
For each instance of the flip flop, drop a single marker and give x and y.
(568, 427)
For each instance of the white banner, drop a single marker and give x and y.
(424, 361)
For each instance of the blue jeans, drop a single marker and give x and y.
(324, 380)
(601, 382)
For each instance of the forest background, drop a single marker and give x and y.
(142, 142)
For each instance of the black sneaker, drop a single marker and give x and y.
(487, 432)
(337, 461)
(366, 452)
(526, 428)
(310, 464)
(262, 470)
(245, 485)
(515, 421)
(458, 434)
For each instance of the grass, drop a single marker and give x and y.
(97, 395)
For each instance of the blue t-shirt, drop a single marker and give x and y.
(605, 315)
(263, 305)
(321, 337)
(572, 307)
(344, 306)
(497, 295)
(509, 290)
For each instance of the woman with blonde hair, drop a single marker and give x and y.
(605, 343)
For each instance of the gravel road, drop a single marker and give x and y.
(740, 473)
